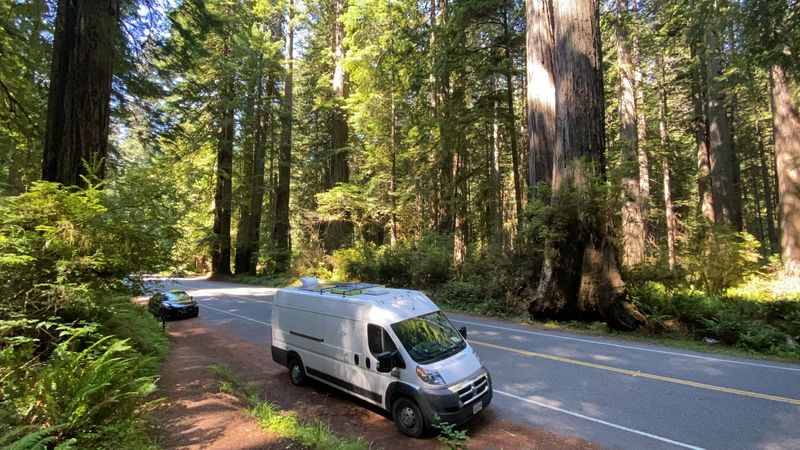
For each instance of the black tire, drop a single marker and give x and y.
(196, 313)
(297, 373)
(408, 418)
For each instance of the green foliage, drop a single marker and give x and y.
(760, 324)
(720, 259)
(316, 434)
(95, 386)
(59, 244)
(29, 438)
(451, 438)
(77, 360)
(427, 263)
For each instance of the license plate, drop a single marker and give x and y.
(477, 407)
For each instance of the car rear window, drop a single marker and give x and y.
(178, 297)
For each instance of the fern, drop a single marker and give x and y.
(22, 438)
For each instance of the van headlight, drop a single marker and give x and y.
(429, 376)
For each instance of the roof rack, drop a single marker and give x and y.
(345, 289)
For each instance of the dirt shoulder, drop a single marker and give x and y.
(195, 415)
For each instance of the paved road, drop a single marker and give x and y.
(615, 393)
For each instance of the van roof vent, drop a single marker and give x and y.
(376, 291)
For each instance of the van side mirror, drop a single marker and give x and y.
(463, 331)
(385, 362)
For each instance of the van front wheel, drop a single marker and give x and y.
(408, 418)
(296, 372)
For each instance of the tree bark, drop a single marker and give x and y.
(663, 127)
(257, 195)
(280, 236)
(769, 204)
(786, 134)
(512, 129)
(641, 126)
(250, 124)
(393, 174)
(632, 219)
(221, 253)
(461, 234)
(495, 203)
(78, 108)
(586, 252)
(706, 200)
(727, 207)
(447, 156)
(541, 90)
(336, 233)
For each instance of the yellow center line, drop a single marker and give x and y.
(637, 373)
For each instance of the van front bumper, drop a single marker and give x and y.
(444, 405)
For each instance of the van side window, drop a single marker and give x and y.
(379, 340)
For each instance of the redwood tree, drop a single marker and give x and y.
(580, 277)
(280, 234)
(78, 109)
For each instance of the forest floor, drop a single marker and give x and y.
(195, 414)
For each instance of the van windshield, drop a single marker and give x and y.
(429, 338)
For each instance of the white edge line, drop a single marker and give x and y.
(630, 347)
(602, 422)
(237, 315)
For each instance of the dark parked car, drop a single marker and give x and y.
(173, 305)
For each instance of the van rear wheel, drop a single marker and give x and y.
(297, 373)
(408, 417)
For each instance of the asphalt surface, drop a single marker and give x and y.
(618, 394)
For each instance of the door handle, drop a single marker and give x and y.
(355, 358)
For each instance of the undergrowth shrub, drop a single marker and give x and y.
(77, 358)
(763, 325)
(416, 265)
(719, 259)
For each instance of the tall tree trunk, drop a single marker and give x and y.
(393, 174)
(541, 89)
(84, 49)
(632, 220)
(460, 194)
(663, 127)
(495, 203)
(580, 276)
(280, 235)
(706, 200)
(445, 116)
(786, 134)
(221, 254)
(727, 207)
(337, 232)
(433, 182)
(511, 126)
(247, 154)
(774, 243)
(641, 126)
(257, 195)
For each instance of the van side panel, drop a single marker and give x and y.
(299, 329)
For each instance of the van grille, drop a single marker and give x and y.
(471, 391)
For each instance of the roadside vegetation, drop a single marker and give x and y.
(316, 434)
(78, 359)
(727, 295)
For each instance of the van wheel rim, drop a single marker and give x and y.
(296, 374)
(408, 418)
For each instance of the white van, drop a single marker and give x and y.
(390, 347)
